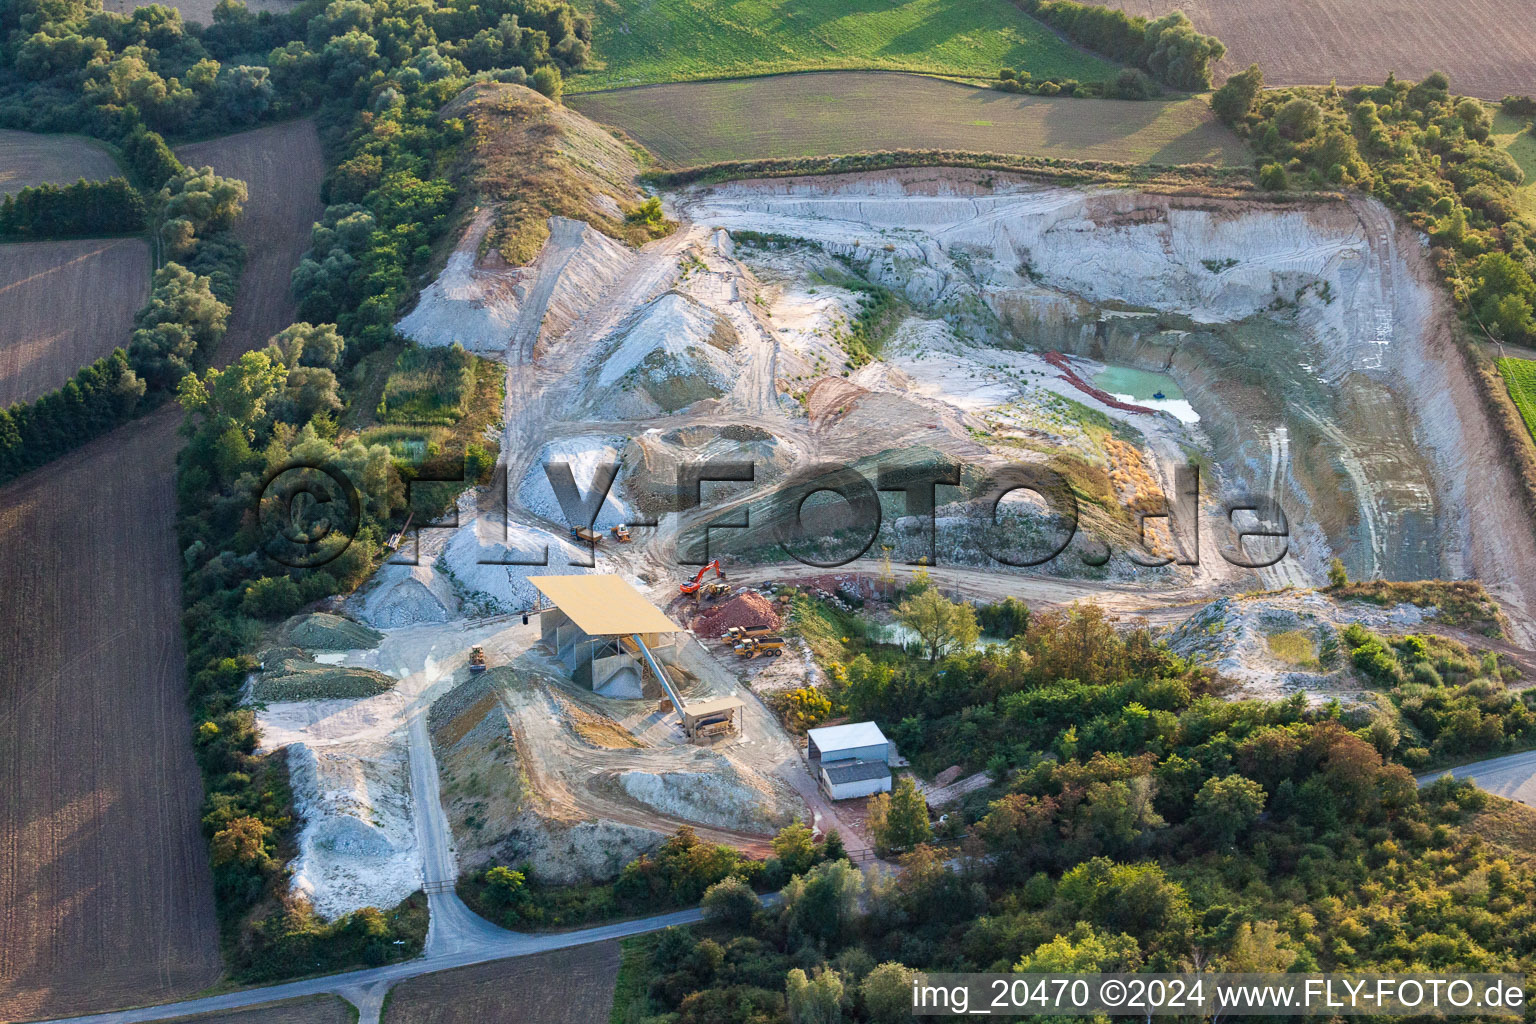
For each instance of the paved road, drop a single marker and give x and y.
(365, 989)
(1512, 777)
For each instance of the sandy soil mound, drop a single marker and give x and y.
(585, 455)
(323, 631)
(406, 595)
(572, 853)
(493, 812)
(749, 609)
(473, 306)
(477, 560)
(668, 355)
(358, 844)
(478, 301)
(717, 793)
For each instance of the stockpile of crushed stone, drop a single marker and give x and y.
(298, 678)
(325, 632)
(490, 559)
(748, 609)
(585, 455)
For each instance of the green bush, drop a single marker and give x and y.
(428, 386)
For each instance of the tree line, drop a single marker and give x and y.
(82, 210)
(1168, 48)
(174, 333)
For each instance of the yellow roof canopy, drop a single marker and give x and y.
(602, 604)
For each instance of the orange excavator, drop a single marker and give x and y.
(692, 586)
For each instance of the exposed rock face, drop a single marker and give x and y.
(1310, 338)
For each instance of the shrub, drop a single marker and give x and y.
(1273, 178)
(730, 902)
(428, 386)
(547, 81)
(1233, 101)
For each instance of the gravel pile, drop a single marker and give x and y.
(325, 632)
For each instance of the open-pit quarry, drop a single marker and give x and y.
(1296, 350)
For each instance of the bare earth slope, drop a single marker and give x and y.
(282, 166)
(31, 158)
(102, 282)
(105, 894)
(850, 112)
(1488, 47)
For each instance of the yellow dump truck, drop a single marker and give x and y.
(736, 634)
(760, 646)
(476, 660)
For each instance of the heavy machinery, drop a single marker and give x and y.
(621, 533)
(760, 647)
(738, 633)
(394, 542)
(476, 660)
(713, 589)
(583, 533)
(691, 587)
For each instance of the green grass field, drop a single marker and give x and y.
(1511, 136)
(851, 112)
(639, 42)
(1520, 377)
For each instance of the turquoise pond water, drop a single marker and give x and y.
(1140, 387)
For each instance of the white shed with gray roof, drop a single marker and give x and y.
(862, 741)
(844, 780)
(850, 760)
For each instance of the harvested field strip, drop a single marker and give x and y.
(106, 898)
(1488, 47)
(315, 1010)
(282, 166)
(850, 112)
(1520, 377)
(63, 305)
(30, 158)
(567, 986)
(682, 40)
(1513, 136)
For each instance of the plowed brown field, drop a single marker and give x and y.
(105, 894)
(1488, 47)
(30, 158)
(64, 305)
(282, 166)
(319, 1010)
(567, 986)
